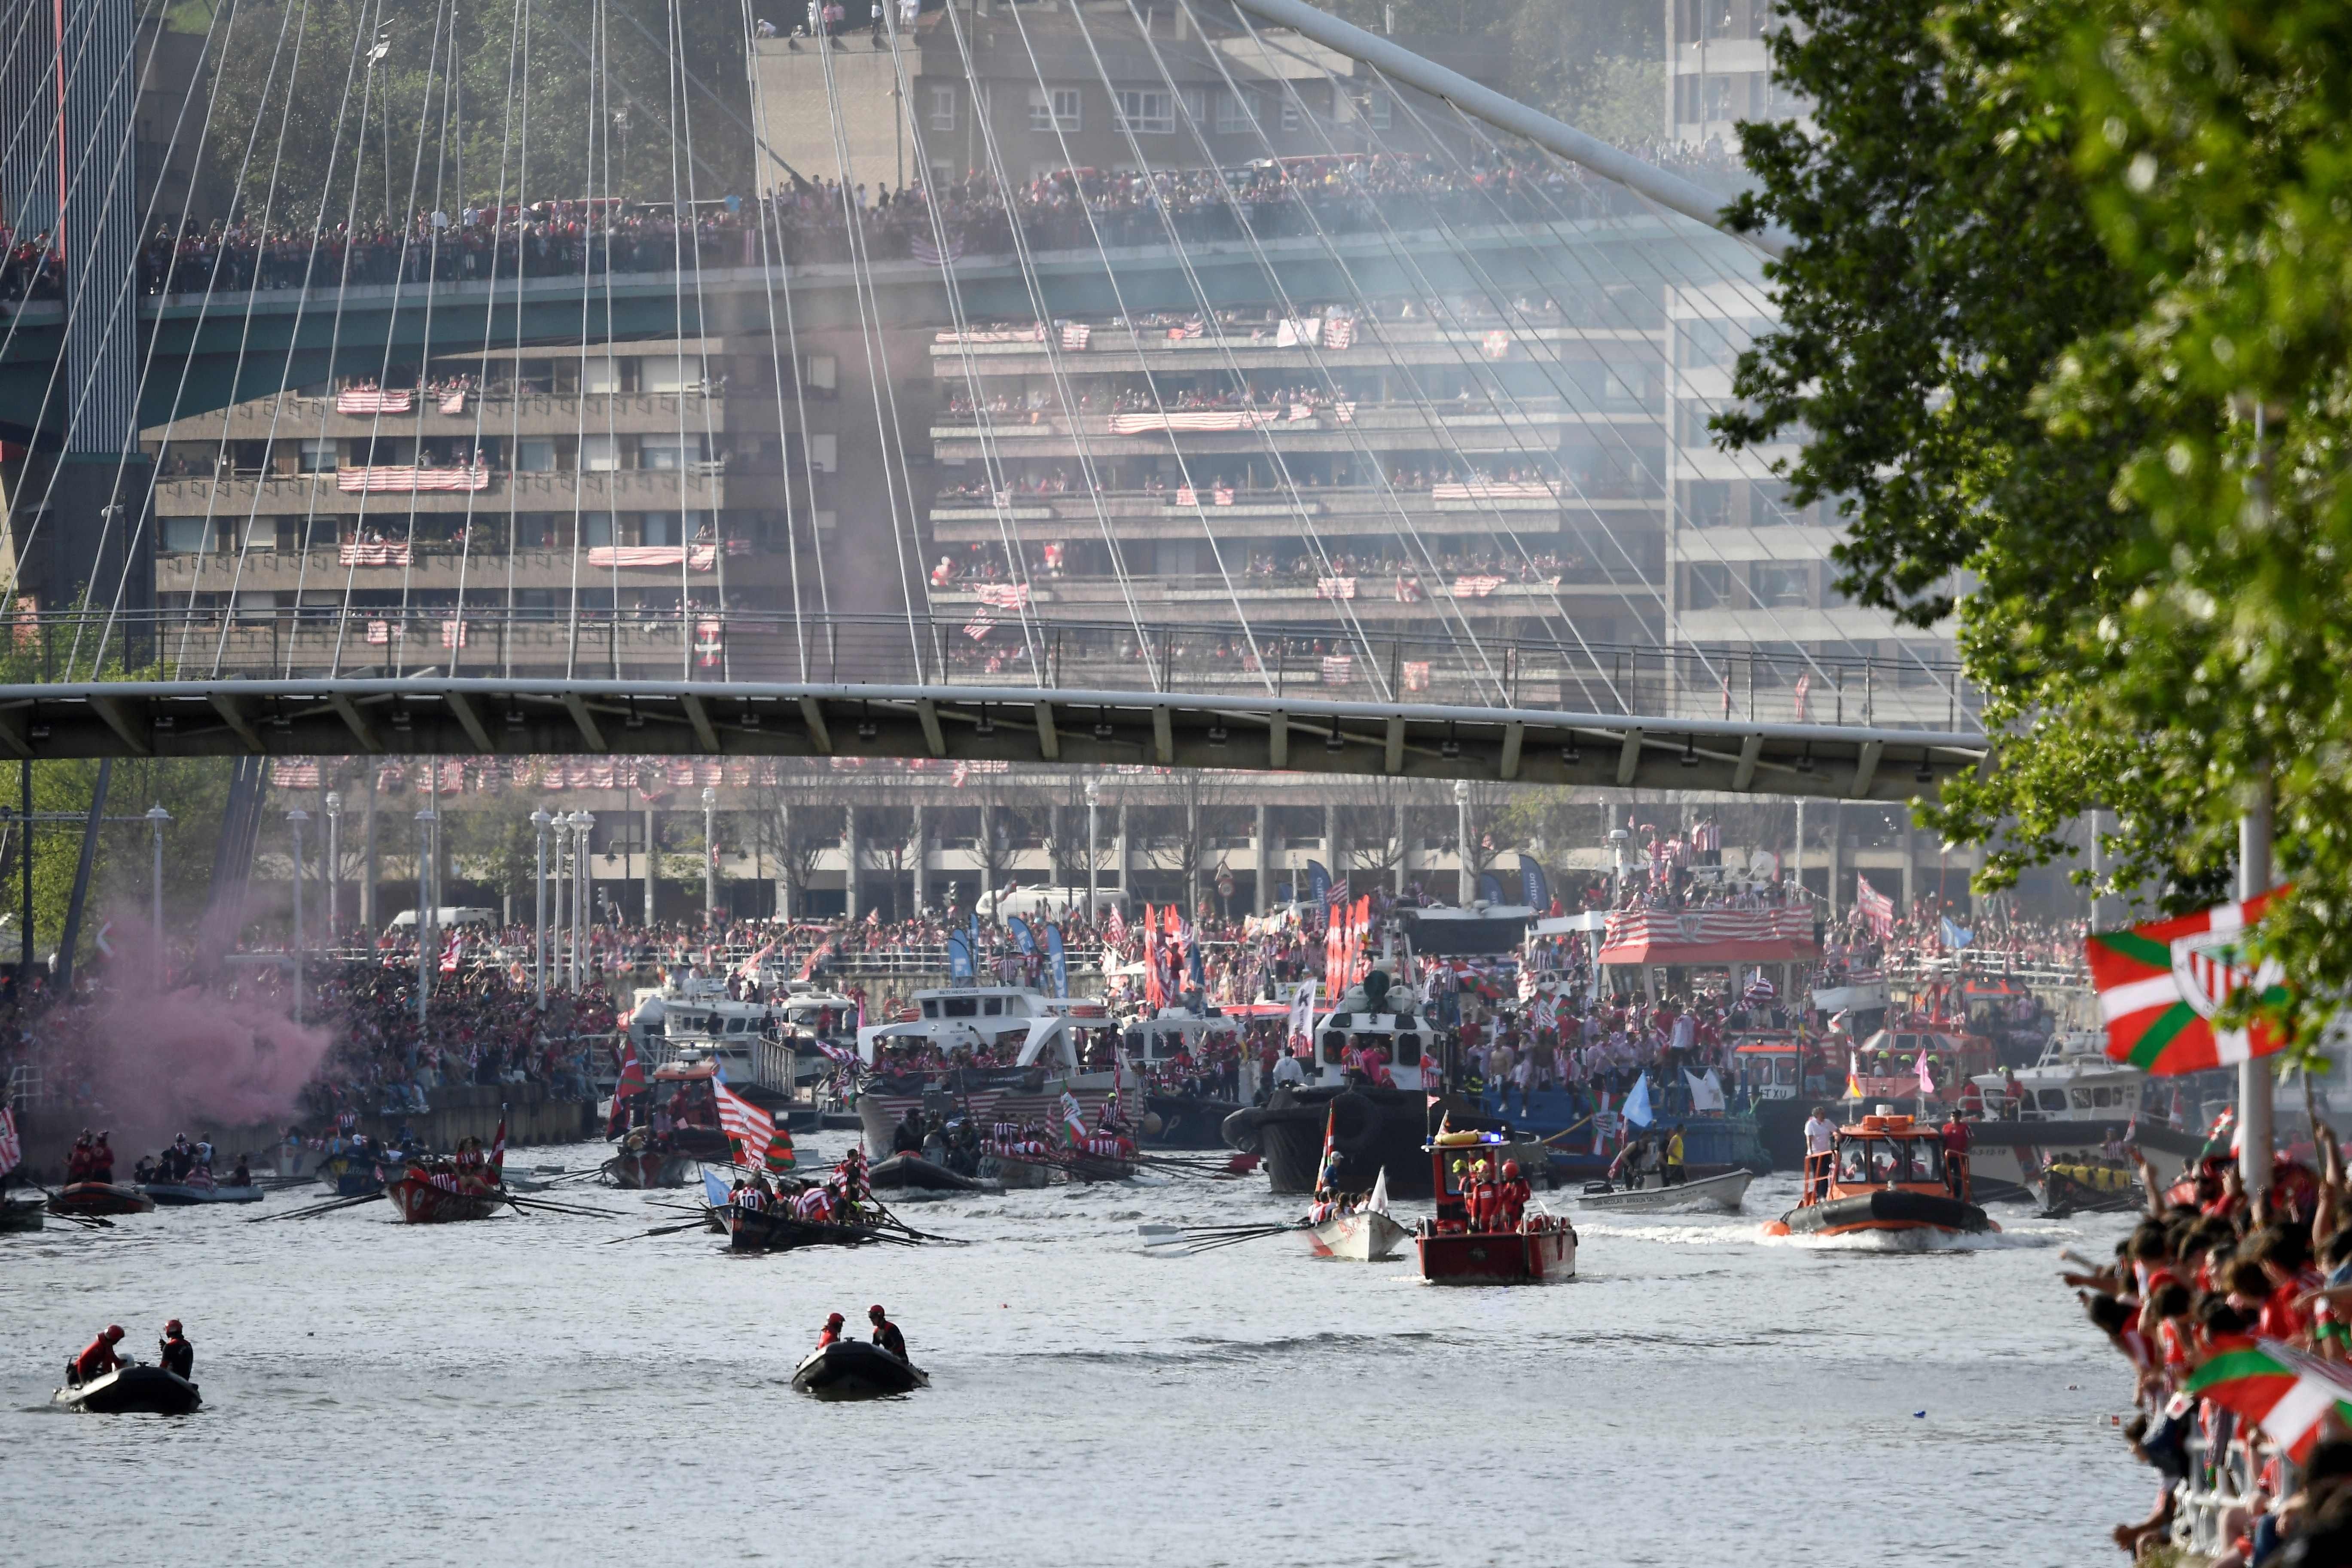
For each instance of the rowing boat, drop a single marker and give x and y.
(1724, 1192)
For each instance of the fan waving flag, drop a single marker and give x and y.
(2286, 1393)
(2159, 985)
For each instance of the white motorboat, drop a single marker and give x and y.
(1724, 1192)
(1368, 1235)
(2072, 1108)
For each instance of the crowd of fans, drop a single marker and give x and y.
(2214, 1298)
(811, 223)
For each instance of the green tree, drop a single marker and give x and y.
(2065, 327)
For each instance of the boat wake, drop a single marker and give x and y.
(1907, 1243)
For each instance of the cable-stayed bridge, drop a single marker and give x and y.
(1176, 307)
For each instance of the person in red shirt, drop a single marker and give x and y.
(1512, 1195)
(98, 1358)
(832, 1334)
(1956, 1143)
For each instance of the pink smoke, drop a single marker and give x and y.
(189, 1058)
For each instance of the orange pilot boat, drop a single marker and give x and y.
(1472, 1241)
(1886, 1172)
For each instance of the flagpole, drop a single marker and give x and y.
(2254, 1073)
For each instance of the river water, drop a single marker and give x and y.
(515, 1393)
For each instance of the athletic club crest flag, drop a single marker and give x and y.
(2160, 984)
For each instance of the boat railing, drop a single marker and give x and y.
(2221, 1478)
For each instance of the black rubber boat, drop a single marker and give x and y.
(902, 1170)
(134, 1390)
(1890, 1208)
(853, 1369)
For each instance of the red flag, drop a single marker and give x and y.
(631, 1079)
(1154, 993)
(498, 1150)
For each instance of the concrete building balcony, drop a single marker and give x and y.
(291, 417)
(426, 567)
(1164, 596)
(1331, 511)
(1110, 350)
(1534, 424)
(697, 488)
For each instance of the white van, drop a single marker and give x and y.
(448, 917)
(1000, 904)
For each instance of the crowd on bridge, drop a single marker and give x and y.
(2233, 1313)
(819, 222)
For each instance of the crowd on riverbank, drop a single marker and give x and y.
(2235, 1316)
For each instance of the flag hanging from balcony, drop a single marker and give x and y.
(2159, 985)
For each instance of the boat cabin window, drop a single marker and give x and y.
(1878, 1160)
(2054, 1099)
(1784, 1069)
(1335, 1046)
(959, 1007)
(1406, 1050)
(1137, 1046)
(931, 1007)
(992, 1007)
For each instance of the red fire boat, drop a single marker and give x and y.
(1459, 1247)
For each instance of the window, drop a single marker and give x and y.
(1710, 584)
(596, 529)
(943, 115)
(1054, 109)
(318, 456)
(1379, 108)
(667, 374)
(599, 454)
(601, 374)
(1710, 504)
(1146, 113)
(1237, 114)
(962, 1007)
(658, 528)
(824, 372)
(992, 1007)
(185, 535)
(823, 451)
(1781, 587)
(535, 456)
(1292, 117)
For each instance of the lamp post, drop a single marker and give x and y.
(156, 817)
(334, 803)
(1465, 882)
(1094, 808)
(295, 819)
(582, 821)
(709, 857)
(539, 821)
(425, 822)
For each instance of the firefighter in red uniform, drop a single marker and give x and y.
(1483, 1196)
(832, 1335)
(1513, 1196)
(98, 1358)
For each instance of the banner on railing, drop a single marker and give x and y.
(1339, 668)
(710, 642)
(1416, 675)
(1003, 596)
(375, 400)
(1335, 587)
(1476, 588)
(407, 478)
(356, 553)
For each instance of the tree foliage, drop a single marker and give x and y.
(2066, 328)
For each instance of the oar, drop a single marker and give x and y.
(1214, 1243)
(1169, 1234)
(87, 1221)
(911, 1230)
(657, 1230)
(328, 1207)
(524, 1203)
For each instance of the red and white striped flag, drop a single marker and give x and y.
(1876, 909)
(12, 1148)
(499, 1148)
(452, 953)
(749, 1129)
(1114, 925)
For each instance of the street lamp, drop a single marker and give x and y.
(1093, 805)
(539, 821)
(582, 821)
(709, 857)
(295, 819)
(1465, 882)
(156, 817)
(334, 803)
(425, 822)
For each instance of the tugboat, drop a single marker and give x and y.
(1471, 1241)
(1886, 1172)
